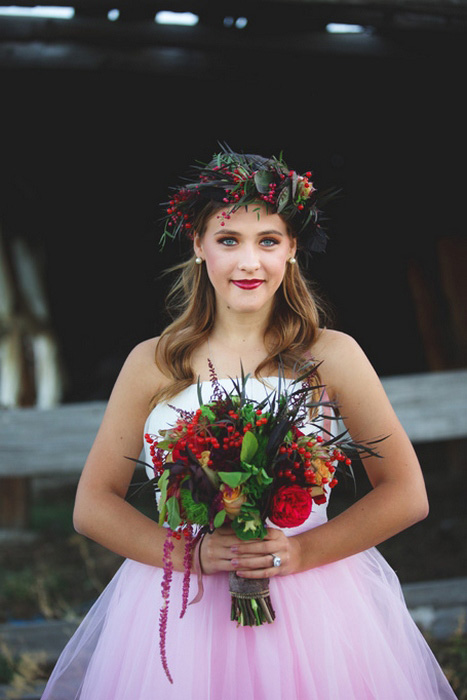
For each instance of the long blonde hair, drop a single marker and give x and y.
(292, 326)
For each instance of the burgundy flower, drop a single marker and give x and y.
(291, 506)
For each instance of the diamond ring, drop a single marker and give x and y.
(276, 560)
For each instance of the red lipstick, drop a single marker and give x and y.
(248, 284)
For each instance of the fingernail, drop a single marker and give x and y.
(234, 548)
(234, 562)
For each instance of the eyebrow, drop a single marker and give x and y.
(237, 233)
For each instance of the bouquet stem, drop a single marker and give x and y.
(251, 603)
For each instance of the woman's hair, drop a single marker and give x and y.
(293, 322)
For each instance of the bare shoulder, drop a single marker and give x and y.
(341, 358)
(332, 343)
(121, 430)
(140, 373)
(353, 383)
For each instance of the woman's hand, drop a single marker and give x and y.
(254, 558)
(224, 551)
(215, 552)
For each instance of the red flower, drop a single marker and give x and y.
(296, 432)
(321, 498)
(291, 506)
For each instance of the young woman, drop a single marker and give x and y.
(342, 630)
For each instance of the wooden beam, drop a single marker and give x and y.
(45, 442)
(33, 442)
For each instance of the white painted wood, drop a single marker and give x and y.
(431, 406)
(36, 442)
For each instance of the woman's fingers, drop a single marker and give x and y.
(216, 551)
(263, 561)
(222, 550)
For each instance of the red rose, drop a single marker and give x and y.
(291, 506)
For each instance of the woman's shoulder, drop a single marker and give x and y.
(144, 351)
(331, 345)
(339, 357)
(140, 370)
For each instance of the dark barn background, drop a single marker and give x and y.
(99, 118)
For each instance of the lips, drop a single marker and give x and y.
(248, 284)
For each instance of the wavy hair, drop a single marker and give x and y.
(291, 329)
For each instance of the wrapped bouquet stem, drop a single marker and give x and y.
(251, 602)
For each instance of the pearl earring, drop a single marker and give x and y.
(198, 261)
(292, 261)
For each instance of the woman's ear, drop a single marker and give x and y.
(197, 246)
(293, 247)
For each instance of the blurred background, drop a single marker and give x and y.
(102, 109)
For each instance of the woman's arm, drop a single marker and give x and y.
(101, 512)
(398, 498)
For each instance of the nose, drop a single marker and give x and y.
(248, 261)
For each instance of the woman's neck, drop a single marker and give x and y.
(231, 347)
(240, 330)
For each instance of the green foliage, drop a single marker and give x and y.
(248, 525)
(196, 512)
(220, 518)
(17, 588)
(6, 669)
(234, 479)
(173, 512)
(208, 413)
(162, 484)
(20, 672)
(52, 518)
(452, 656)
(249, 447)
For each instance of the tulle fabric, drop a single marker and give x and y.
(342, 632)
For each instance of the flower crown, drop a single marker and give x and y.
(237, 180)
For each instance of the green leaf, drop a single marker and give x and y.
(266, 479)
(233, 479)
(206, 411)
(249, 447)
(164, 444)
(198, 388)
(162, 484)
(263, 178)
(219, 518)
(283, 200)
(173, 510)
(294, 184)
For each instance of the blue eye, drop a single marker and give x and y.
(269, 242)
(227, 241)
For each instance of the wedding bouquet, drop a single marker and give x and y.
(245, 461)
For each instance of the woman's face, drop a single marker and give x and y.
(246, 257)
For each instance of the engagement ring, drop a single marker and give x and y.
(276, 560)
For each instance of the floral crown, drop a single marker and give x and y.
(236, 180)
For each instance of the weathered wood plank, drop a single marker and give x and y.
(52, 441)
(430, 406)
(36, 442)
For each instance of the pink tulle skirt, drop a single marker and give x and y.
(342, 632)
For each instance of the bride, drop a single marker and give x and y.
(342, 629)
